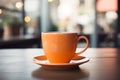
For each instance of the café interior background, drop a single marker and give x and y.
(99, 19)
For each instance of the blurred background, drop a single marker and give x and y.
(22, 21)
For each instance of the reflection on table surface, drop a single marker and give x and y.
(71, 74)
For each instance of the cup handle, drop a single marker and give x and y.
(87, 43)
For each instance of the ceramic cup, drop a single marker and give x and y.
(60, 47)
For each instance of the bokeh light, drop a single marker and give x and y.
(50, 0)
(1, 11)
(19, 5)
(27, 19)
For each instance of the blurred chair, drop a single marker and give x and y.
(101, 38)
(27, 41)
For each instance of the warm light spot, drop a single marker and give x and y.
(19, 5)
(111, 15)
(27, 19)
(1, 11)
(50, 0)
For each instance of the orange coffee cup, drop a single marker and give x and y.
(60, 47)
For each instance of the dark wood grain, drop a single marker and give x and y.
(17, 64)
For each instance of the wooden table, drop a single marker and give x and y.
(17, 64)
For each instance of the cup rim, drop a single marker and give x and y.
(59, 33)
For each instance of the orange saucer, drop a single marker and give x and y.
(42, 60)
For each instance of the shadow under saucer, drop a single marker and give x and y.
(70, 74)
